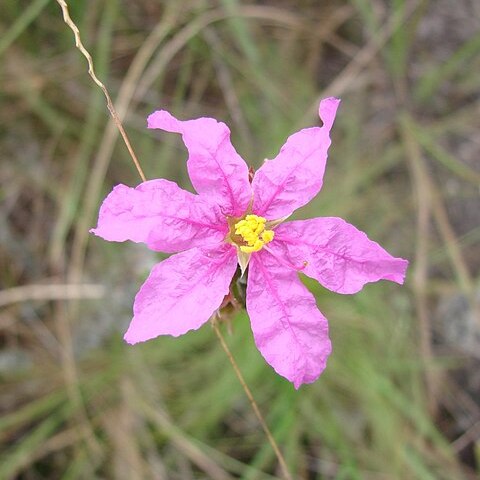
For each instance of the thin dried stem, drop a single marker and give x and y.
(126, 99)
(253, 403)
(91, 71)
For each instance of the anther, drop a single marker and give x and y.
(252, 231)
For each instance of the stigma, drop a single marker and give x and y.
(252, 233)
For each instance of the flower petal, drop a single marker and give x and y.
(289, 330)
(295, 176)
(181, 293)
(162, 215)
(338, 255)
(215, 168)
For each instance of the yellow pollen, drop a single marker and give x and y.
(252, 230)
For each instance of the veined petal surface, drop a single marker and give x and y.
(289, 330)
(182, 292)
(162, 215)
(295, 175)
(337, 254)
(215, 168)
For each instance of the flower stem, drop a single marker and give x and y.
(253, 403)
(91, 71)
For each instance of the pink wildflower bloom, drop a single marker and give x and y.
(234, 222)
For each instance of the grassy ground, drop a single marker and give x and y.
(399, 399)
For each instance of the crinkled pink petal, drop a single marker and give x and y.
(182, 292)
(215, 168)
(162, 215)
(295, 175)
(338, 255)
(289, 330)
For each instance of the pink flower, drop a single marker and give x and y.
(232, 222)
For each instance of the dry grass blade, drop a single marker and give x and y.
(120, 423)
(420, 278)
(446, 230)
(226, 84)
(440, 216)
(472, 434)
(57, 291)
(349, 75)
(268, 14)
(181, 441)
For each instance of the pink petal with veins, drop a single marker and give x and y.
(215, 168)
(338, 255)
(182, 293)
(289, 330)
(162, 215)
(295, 175)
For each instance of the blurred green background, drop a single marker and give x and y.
(400, 396)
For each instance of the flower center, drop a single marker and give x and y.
(252, 233)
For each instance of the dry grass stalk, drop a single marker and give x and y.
(91, 72)
(57, 291)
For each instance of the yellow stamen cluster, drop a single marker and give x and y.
(252, 230)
